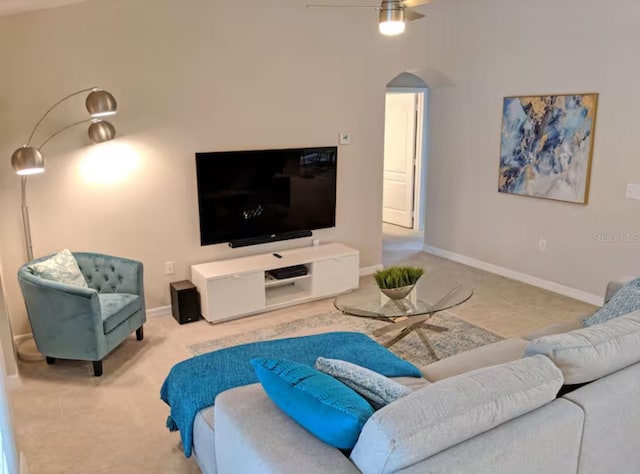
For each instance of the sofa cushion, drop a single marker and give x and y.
(62, 267)
(117, 307)
(377, 389)
(453, 410)
(587, 354)
(324, 406)
(484, 356)
(624, 301)
(204, 440)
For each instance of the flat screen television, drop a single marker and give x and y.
(265, 193)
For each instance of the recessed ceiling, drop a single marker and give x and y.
(11, 7)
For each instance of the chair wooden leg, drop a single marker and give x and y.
(97, 368)
(140, 333)
(50, 360)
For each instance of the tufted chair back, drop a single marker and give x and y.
(107, 274)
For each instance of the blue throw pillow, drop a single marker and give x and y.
(376, 388)
(319, 403)
(625, 301)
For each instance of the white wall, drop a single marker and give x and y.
(496, 48)
(189, 75)
(6, 336)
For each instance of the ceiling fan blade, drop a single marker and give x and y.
(415, 3)
(375, 7)
(410, 15)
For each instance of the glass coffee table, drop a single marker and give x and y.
(435, 291)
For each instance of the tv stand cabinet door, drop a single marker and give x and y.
(335, 275)
(236, 295)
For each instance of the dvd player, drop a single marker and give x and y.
(288, 272)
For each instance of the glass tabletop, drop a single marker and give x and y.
(435, 291)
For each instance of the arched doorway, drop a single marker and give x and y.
(405, 159)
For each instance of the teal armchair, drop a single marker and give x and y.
(70, 322)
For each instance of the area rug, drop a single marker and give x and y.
(462, 335)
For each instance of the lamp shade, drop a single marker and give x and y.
(392, 21)
(101, 131)
(27, 160)
(101, 104)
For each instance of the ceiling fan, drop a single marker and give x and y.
(393, 13)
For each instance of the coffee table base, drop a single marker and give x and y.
(409, 325)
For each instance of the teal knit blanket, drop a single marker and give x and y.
(194, 383)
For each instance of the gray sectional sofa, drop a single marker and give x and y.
(490, 410)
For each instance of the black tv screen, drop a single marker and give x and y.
(253, 194)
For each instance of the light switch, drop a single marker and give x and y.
(633, 191)
(345, 138)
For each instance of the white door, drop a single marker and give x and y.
(399, 159)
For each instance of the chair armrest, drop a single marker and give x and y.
(56, 286)
(65, 319)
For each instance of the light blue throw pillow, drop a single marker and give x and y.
(376, 388)
(319, 403)
(625, 301)
(62, 267)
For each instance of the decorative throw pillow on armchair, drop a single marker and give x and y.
(62, 267)
(625, 301)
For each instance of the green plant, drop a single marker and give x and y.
(396, 277)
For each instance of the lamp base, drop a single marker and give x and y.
(26, 348)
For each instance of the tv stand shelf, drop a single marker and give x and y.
(238, 287)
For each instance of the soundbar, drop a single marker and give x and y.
(270, 238)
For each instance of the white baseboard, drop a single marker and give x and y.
(159, 311)
(24, 468)
(514, 275)
(13, 381)
(364, 271)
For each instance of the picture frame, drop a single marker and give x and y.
(546, 146)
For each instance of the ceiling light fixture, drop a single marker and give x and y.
(392, 21)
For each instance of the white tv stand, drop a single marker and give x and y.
(238, 287)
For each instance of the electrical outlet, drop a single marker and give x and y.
(168, 268)
(542, 244)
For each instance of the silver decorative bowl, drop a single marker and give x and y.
(397, 293)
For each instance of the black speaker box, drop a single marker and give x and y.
(185, 301)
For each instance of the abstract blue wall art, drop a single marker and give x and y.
(546, 146)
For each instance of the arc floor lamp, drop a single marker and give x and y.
(28, 160)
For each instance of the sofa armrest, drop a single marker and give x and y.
(485, 356)
(614, 285)
(253, 435)
(570, 324)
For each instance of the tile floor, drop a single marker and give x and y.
(67, 421)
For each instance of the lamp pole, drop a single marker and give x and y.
(25, 221)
